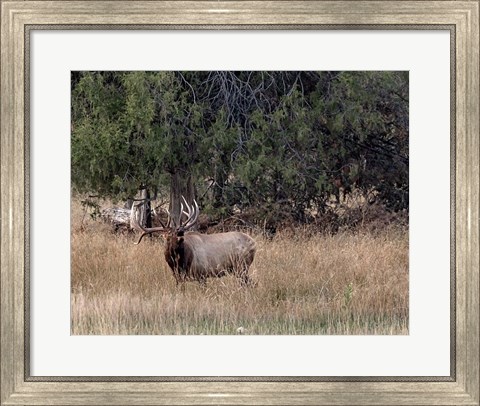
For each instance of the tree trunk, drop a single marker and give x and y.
(144, 210)
(148, 209)
(181, 184)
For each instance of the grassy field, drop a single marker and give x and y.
(341, 284)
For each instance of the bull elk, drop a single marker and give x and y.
(195, 257)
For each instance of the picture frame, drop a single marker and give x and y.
(19, 388)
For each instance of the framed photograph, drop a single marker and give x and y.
(240, 202)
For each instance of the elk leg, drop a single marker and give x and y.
(176, 276)
(180, 285)
(182, 281)
(244, 277)
(246, 281)
(203, 282)
(179, 279)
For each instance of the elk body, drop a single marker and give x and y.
(196, 257)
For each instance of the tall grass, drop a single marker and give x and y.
(318, 284)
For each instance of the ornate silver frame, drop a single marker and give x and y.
(18, 18)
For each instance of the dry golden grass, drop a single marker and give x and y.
(341, 284)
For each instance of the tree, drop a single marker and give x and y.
(132, 131)
(311, 135)
(277, 144)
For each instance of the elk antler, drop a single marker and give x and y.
(135, 224)
(192, 215)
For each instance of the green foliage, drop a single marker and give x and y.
(92, 207)
(275, 144)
